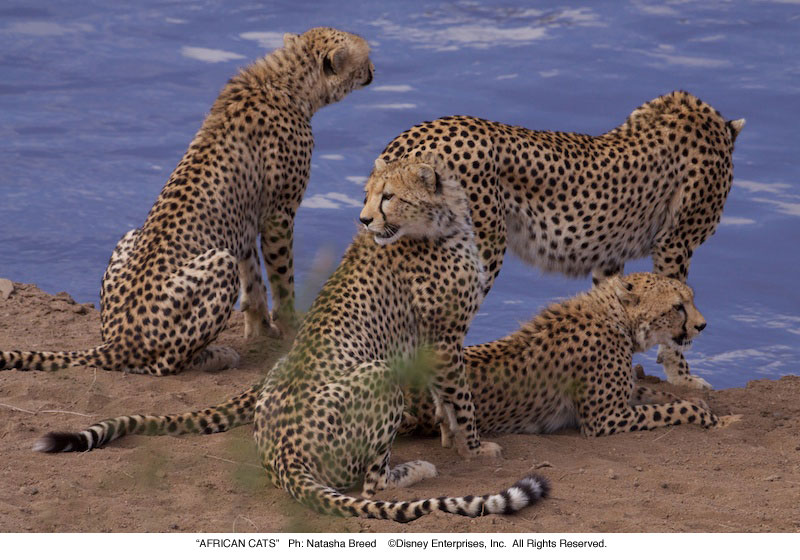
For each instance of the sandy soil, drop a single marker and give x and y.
(742, 478)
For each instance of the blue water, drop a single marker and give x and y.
(98, 101)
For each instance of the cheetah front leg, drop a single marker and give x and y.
(454, 401)
(257, 321)
(277, 238)
(671, 258)
(625, 418)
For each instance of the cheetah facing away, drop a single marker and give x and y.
(327, 413)
(574, 204)
(571, 365)
(170, 286)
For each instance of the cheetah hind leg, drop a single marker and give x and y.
(200, 297)
(112, 276)
(257, 320)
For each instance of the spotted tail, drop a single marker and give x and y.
(235, 412)
(324, 499)
(100, 356)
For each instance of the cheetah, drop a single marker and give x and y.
(573, 203)
(327, 413)
(571, 365)
(171, 285)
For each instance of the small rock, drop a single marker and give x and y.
(664, 485)
(638, 468)
(636, 483)
(772, 478)
(6, 288)
(611, 474)
(33, 491)
(173, 527)
(59, 305)
(64, 296)
(581, 471)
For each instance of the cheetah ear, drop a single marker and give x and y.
(335, 61)
(430, 178)
(289, 39)
(379, 165)
(623, 290)
(430, 158)
(735, 127)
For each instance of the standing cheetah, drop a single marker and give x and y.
(170, 286)
(327, 413)
(571, 365)
(574, 204)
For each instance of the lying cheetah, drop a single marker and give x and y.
(326, 415)
(571, 365)
(170, 286)
(574, 204)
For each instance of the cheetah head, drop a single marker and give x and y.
(341, 60)
(662, 309)
(413, 197)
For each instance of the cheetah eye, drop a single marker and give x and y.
(388, 196)
(679, 307)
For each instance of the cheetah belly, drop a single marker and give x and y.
(560, 414)
(552, 247)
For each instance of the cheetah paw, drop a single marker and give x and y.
(216, 358)
(487, 449)
(693, 381)
(725, 421)
(257, 325)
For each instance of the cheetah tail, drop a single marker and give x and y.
(236, 411)
(100, 356)
(324, 499)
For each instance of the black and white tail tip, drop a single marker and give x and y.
(57, 442)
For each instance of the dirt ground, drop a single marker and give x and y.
(745, 477)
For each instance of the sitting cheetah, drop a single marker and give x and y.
(327, 414)
(571, 365)
(574, 204)
(170, 286)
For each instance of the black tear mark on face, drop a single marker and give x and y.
(438, 188)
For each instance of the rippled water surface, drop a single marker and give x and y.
(98, 101)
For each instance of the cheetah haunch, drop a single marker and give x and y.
(574, 204)
(327, 414)
(171, 285)
(571, 365)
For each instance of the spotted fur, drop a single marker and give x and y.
(573, 203)
(327, 413)
(170, 286)
(572, 365)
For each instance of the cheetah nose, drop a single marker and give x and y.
(700, 327)
(365, 220)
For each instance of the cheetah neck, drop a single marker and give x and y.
(290, 72)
